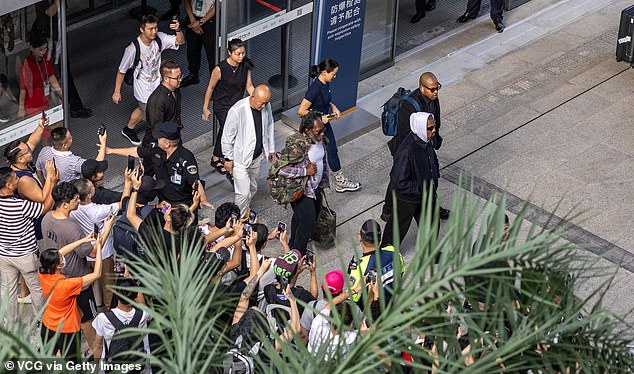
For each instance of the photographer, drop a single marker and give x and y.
(64, 294)
(368, 266)
(287, 269)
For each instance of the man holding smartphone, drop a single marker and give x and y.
(90, 214)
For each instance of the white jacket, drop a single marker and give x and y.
(238, 136)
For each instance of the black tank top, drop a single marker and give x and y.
(38, 222)
(230, 87)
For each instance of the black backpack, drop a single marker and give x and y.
(129, 74)
(115, 351)
(125, 236)
(389, 117)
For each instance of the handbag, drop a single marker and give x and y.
(325, 229)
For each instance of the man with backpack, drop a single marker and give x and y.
(424, 99)
(140, 67)
(110, 343)
(124, 234)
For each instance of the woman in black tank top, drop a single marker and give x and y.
(228, 81)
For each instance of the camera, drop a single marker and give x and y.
(246, 230)
(308, 258)
(281, 226)
(283, 283)
(119, 265)
(371, 276)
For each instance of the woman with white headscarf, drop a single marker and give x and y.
(414, 173)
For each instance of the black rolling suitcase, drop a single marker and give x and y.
(624, 45)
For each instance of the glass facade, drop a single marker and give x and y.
(378, 34)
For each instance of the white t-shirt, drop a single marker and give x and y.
(90, 214)
(148, 71)
(104, 328)
(316, 153)
(320, 334)
(201, 7)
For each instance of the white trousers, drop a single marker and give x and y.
(245, 183)
(10, 270)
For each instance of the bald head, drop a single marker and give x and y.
(429, 85)
(260, 97)
(427, 78)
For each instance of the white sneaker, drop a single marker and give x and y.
(24, 300)
(343, 184)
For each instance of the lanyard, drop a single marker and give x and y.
(40, 70)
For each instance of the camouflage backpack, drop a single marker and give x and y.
(288, 190)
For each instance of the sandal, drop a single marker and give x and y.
(218, 165)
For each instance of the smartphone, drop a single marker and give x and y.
(119, 265)
(95, 229)
(252, 216)
(331, 116)
(102, 129)
(371, 276)
(54, 164)
(234, 218)
(44, 114)
(308, 258)
(195, 186)
(165, 208)
(283, 283)
(111, 214)
(131, 162)
(281, 226)
(246, 230)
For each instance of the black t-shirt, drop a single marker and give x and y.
(257, 121)
(319, 95)
(274, 295)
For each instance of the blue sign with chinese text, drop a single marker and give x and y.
(338, 35)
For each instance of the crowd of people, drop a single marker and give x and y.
(65, 238)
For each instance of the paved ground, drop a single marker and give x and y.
(540, 110)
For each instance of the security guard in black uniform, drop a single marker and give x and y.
(166, 159)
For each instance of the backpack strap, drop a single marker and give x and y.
(412, 101)
(118, 325)
(137, 53)
(136, 319)
(159, 42)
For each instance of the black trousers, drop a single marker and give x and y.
(222, 117)
(497, 7)
(405, 212)
(195, 43)
(68, 344)
(305, 211)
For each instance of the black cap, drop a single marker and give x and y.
(91, 167)
(148, 189)
(370, 230)
(168, 130)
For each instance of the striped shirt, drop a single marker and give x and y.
(17, 231)
(68, 164)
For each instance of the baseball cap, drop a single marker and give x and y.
(214, 260)
(370, 230)
(286, 264)
(335, 281)
(168, 130)
(148, 189)
(91, 167)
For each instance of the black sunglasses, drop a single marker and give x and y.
(433, 89)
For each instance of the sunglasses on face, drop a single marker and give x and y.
(434, 89)
(179, 78)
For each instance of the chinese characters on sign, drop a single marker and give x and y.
(344, 10)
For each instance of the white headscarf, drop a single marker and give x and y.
(418, 124)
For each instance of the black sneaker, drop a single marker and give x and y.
(466, 17)
(131, 135)
(81, 113)
(189, 80)
(499, 26)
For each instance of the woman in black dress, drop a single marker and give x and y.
(228, 81)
